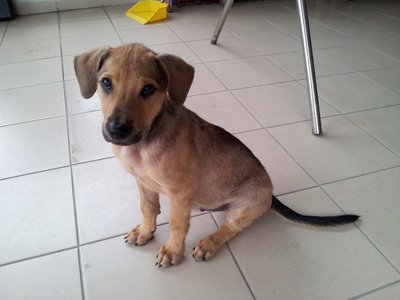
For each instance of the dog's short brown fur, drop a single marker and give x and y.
(171, 150)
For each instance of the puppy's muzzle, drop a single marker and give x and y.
(120, 132)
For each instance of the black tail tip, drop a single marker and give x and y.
(351, 218)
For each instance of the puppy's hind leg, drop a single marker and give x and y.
(238, 218)
(150, 206)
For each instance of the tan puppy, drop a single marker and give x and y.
(171, 150)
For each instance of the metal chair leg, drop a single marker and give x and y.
(309, 65)
(308, 58)
(221, 21)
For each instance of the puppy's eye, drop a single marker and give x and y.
(147, 91)
(106, 84)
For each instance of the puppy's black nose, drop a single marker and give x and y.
(119, 130)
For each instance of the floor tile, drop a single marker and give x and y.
(149, 36)
(59, 278)
(389, 79)
(125, 23)
(68, 67)
(31, 214)
(107, 194)
(86, 138)
(82, 15)
(278, 42)
(375, 198)
(323, 37)
(227, 48)
(30, 73)
(383, 124)
(353, 92)
(280, 103)
(34, 20)
(247, 72)
(33, 146)
(31, 103)
(77, 44)
(336, 21)
(252, 26)
(17, 52)
(179, 49)
(195, 32)
(288, 21)
(344, 150)
(31, 33)
(293, 64)
(362, 58)
(321, 262)
(286, 175)
(218, 108)
(390, 49)
(101, 27)
(75, 4)
(75, 102)
(111, 270)
(117, 10)
(367, 34)
(204, 82)
(387, 293)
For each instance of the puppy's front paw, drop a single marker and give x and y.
(139, 235)
(168, 256)
(204, 250)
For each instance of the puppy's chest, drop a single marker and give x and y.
(143, 165)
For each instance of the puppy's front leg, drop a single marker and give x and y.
(150, 206)
(171, 253)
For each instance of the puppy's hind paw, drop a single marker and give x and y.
(204, 250)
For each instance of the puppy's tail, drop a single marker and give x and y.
(290, 214)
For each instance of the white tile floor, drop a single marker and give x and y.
(65, 203)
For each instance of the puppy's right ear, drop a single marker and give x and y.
(87, 65)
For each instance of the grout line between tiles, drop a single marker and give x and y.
(112, 24)
(234, 259)
(80, 260)
(37, 256)
(4, 33)
(375, 290)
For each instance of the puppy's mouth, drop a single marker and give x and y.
(130, 140)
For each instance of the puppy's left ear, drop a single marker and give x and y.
(87, 65)
(180, 76)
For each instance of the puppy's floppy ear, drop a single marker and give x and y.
(180, 75)
(86, 67)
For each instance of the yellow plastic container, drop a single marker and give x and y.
(147, 11)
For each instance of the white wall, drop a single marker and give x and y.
(26, 7)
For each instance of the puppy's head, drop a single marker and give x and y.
(132, 82)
